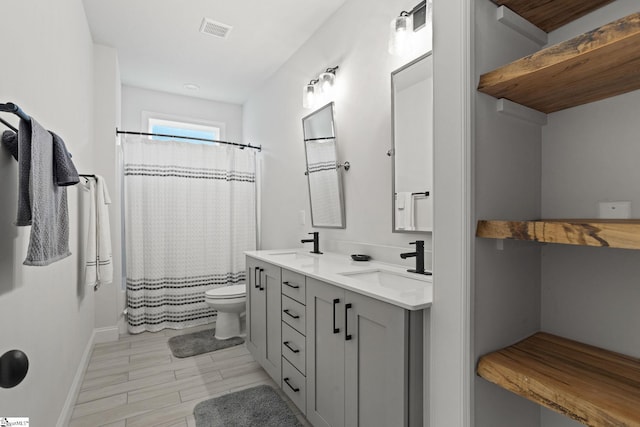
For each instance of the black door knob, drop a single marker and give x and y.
(14, 365)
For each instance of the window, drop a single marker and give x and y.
(175, 126)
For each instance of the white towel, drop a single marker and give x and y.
(404, 211)
(99, 264)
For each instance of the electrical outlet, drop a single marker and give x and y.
(614, 210)
(302, 217)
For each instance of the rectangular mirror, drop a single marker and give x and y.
(323, 175)
(412, 150)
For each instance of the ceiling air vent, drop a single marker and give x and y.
(213, 28)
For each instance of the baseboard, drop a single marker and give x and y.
(74, 390)
(108, 334)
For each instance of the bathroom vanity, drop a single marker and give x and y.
(343, 339)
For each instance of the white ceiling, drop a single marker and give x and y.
(160, 47)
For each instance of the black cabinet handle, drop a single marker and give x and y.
(260, 275)
(290, 285)
(335, 330)
(286, 311)
(255, 278)
(295, 389)
(295, 350)
(347, 336)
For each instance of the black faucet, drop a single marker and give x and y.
(419, 254)
(316, 242)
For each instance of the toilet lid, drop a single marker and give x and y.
(233, 291)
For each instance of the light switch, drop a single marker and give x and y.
(614, 210)
(302, 217)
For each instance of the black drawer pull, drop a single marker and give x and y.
(295, 316)
(290, 285)
(295, 350)
(335, 330)
(347, 336)
(295, 389)
(261, 287)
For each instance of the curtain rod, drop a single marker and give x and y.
(242, 146)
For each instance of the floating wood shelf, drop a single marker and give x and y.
(593, 386)
(613, 233)
(599, 64)
(551, 15)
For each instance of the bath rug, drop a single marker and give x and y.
(196, 343)
(256, 406)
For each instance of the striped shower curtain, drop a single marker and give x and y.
(190, 212)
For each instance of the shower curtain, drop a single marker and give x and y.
(190, 213)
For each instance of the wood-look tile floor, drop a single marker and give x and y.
(136, 381)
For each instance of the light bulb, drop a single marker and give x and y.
(326, 82)
(309, 95)
(400, 37)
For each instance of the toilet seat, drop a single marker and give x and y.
(227, 292)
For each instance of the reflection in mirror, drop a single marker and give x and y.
(325, 185)
(412, 123)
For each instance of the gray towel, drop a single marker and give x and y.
(64, 171)
(24, 170)
(49, 238)
(10, 141)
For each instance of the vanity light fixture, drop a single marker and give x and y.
(407, 23)
(319, 88)
(309, 94)
(327, 80)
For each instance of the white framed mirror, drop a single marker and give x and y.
(323, 175)
(412, 149)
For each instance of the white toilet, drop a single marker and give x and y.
(229, 302)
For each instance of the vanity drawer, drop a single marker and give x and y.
(293, 313)
(293, 285)
(294, 385)
(293, 347)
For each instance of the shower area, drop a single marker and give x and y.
(189, 215)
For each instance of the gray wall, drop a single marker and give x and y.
(136, 100)
(47, 69)
(590, 154)
(507, 186)
(110, 299)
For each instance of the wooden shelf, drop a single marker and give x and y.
(599, 64)
(613, 233)
(593, 386)
(551, 15)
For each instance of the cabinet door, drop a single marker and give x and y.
(270, 281)
(263, 316)
(256, 312)
(375, 363)
(325, 354)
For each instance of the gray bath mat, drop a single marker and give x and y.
(200, 342)
(257, 406)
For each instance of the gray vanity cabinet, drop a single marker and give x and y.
(263, 315)
(360, 360)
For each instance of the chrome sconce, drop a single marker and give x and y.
(320, 89)
(407, 23)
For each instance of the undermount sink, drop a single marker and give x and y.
(389, 279)
(290, 255)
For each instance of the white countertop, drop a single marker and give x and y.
(413, 294)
